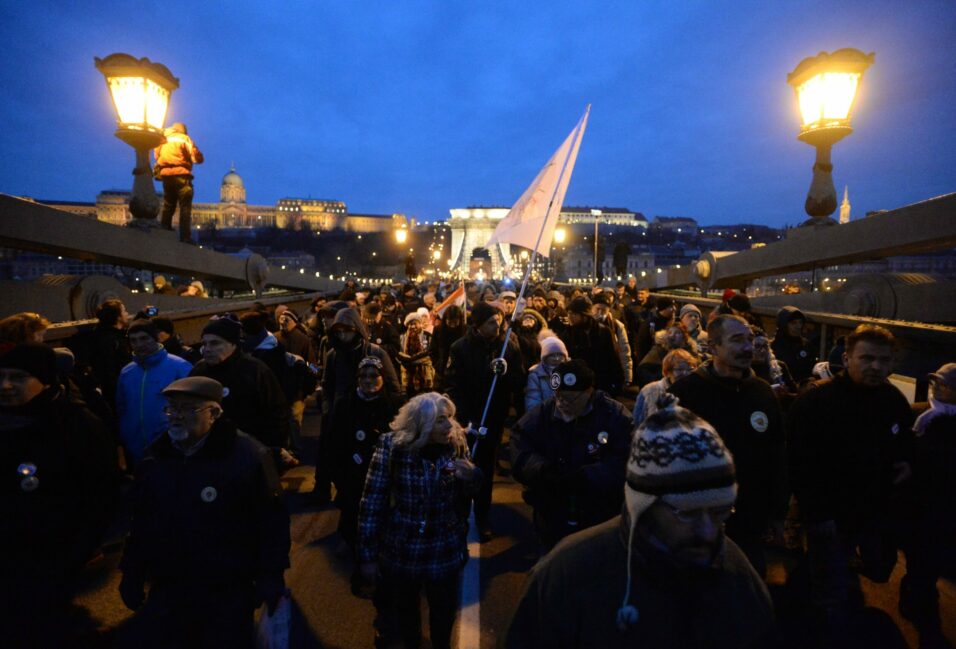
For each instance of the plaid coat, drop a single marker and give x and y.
(413, 518)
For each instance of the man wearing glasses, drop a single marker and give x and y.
(210, 533)
(663, 573)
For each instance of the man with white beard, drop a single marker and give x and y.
(210, 533)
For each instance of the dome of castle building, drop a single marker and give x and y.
(232, 179)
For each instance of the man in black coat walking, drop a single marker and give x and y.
(468, 378)
(850, 445)
(744, 411)
(209, 533)
(593, 343)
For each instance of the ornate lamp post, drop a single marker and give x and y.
(140, 91)
(826, 86)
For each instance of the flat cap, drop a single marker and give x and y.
(202, 387)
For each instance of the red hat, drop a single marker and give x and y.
(728, 293)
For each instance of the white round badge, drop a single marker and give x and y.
(360, 435)
(30, 483)
(570, 379)
(225, 392)
(602, 437)
(803, 353)
(378, 341)
(357, 458)
(208, 494)
(555, 381)
(759, 421)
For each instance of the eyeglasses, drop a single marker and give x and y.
(169, 411)
(690, 516)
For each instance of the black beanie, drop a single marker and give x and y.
(739, 302)
(145, 325)
(39, 361)
(580, 305)
(573, 375)
(481, 312)
(253, 323)
(226, 327)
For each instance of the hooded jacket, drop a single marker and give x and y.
(177, 155)
(746, 415)
(341, 363)
(528, 337)
(140, 402)
(797, 353)
(468, 378)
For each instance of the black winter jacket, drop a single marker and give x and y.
(468, 379)
(746, 415)
(255, 401)
(213, 518)
(843, 442)
(54, 521)
(594, 344)
(569, 472)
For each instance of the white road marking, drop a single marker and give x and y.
(469, 622)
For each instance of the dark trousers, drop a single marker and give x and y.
(401, 597)
(485, 460)
(930, 553)
(178, 191)
(192, 616)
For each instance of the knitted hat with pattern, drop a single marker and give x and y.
(679, 458)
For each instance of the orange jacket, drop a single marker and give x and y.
(177, 155)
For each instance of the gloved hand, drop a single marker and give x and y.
(269, 590)
(132, 590)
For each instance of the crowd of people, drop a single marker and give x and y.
(653, 522)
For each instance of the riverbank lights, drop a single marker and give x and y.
(826, 87)
(436, 255)
(140, 90)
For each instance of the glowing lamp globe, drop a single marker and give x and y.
(401, 236)
(560, 234)
(140, 90)
(826, 86)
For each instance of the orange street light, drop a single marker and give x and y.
(826, 86)
(140, 91)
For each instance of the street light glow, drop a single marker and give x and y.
(560, 234)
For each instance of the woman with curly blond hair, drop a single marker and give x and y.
(413, 518)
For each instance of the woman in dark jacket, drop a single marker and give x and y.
(790, 346)
(530, 325)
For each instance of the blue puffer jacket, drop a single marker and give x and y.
(139, 399)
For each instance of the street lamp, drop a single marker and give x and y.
(140, 90)
(560, 234)
(401, 235)
(826, 86)
(597, 219)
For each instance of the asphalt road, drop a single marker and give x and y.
(327, 615)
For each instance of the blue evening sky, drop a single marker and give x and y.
(418, 107)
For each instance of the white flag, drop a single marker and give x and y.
(530, 217)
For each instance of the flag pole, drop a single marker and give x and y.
(482, 431)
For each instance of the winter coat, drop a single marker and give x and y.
(413, 518)
(386, 336)
(528, 338)
(177, 155)
(140, 402)
(252, 397)
(593, 343)
(297, 342)
(647, 331)
(843, 441)
(214, 518)
(573, 471)
(294, 375)
(652, 365)
(797, 353)
(538, 389)
(468, 378)
(572, 596)
(109, 354)
(341, 362)
(646, 403)
(746, 415)
(417, 369)
(53, 526)
(174, 345)
(354, 428)
(442, 339)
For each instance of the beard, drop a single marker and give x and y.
(177, 433)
